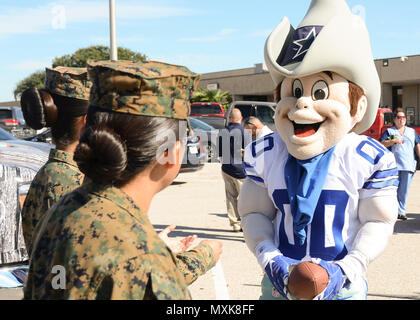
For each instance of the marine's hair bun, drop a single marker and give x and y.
(101, 155)
(38, 108)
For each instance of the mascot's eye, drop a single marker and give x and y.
(297, 89)
(320, 91)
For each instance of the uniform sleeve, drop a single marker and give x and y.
(381, 169)
(154, 278)
(196, 262)
(255, 158)
(417, 139)
(385, 136)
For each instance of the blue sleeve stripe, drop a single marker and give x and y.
(384, 174)
(257, 179)
(381, 185)
(248, 166)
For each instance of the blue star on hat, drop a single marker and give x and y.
(300, 43)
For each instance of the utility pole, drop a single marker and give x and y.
(113, 31)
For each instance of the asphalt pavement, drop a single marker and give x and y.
(195, 202)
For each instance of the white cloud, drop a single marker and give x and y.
(59, 14)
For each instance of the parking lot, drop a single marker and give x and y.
(196, 203)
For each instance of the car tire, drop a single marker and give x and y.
(212, 153)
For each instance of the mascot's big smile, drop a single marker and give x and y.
(306, 130)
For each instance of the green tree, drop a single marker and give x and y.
(81, 56)
(218, 96)
(36, 79)
(77, 59)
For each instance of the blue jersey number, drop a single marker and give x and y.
(326, 230)
(268, 142)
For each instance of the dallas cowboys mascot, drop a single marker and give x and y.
(315, 189)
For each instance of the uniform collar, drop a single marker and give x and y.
(115, 195)
(62, 156)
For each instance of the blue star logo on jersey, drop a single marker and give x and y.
(299, 44)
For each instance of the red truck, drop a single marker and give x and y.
(384, 120)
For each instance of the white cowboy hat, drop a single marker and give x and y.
(330, 38)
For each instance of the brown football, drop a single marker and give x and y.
(307, 280)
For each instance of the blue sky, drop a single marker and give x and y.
(205, 36)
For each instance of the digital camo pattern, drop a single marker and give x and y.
(57, 177)
(149, 89)
(17, 169)
(108, 248)
(195, 262)
(68, 82)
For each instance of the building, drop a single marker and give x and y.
(400, 81)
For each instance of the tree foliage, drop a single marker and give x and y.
(36, 79)
(77, 59)
(81, 56)
(218, 96)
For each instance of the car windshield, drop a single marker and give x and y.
(5, 114)
(4, 135)
(206, 109)
(197, 124)
(388, 119)
(265, 114)
(19, 115)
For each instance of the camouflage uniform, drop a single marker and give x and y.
(60, 174)
(57, 177)
(106, 244)
(108, 248)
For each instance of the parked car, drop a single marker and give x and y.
(208, 136)
(18, 166)
(211, 113)
(12, 141)
(43, 136)
(195, 155)
(11, 119)
(262, 110)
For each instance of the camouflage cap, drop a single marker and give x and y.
(151, 89)
(68, 82)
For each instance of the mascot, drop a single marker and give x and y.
(316, 190)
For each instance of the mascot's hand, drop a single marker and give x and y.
(275, 265)
(337, 280)
(277, 271)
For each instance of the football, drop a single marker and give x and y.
(307, 280)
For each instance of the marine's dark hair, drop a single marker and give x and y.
(115, 147)
(42, 109)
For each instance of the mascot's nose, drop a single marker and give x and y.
(303, 103)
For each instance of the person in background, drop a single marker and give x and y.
(231, 148)
(257, 128)
(403, 141)
(62, 106)
(131, 149)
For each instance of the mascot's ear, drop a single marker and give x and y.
(361, 111)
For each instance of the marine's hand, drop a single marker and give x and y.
(337, 280)
(217, 247)
(176, 246)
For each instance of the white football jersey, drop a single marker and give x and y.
(360, 168)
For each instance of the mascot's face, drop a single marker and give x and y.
(313, 114)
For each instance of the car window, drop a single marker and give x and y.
(388, 119)
(246, 110)
(4, 135)
(5, 114)
(19, 115)
(206, 109)
(265, 114)
(197, 124)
